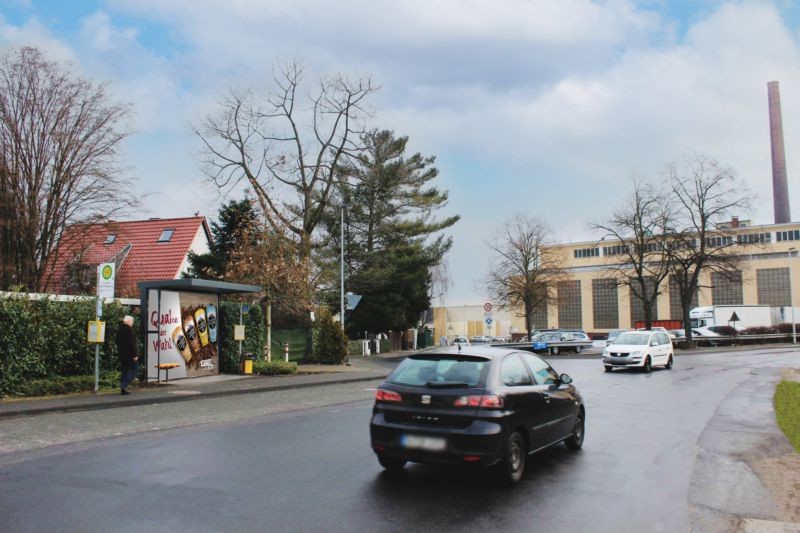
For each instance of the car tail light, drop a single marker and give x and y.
(485, 401)
(383, 395)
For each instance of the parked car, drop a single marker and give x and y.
(641, 349)
(544, 342)
(481, 405)
(499, 339)
(478, 339)
(461, 341)
(613, 334)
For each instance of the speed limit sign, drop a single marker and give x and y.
(487, 307)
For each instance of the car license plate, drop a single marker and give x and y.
(431, 444)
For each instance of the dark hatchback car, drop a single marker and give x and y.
(479, 405)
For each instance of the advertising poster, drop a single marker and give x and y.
(182, 330)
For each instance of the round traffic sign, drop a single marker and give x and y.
(487, 306)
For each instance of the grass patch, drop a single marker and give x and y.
(787, 410)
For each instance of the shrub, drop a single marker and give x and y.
(761, 330)
(726, 330)
(330, 342)
(787, 328)
(255, 335)
(65, 385)
(274, 368)
(46, 338)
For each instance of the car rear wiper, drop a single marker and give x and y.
(447, 384)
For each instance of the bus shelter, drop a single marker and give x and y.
(182, 325)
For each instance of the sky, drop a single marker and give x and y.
(548, 108)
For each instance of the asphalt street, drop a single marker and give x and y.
(291, 461)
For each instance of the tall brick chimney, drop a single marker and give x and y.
(780, 188)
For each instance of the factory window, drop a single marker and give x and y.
(773, 286)
(719, 241)
(569, 304)
(791, 235)
(615, 250)
(753, 238)
(637, 306)
(675, 311)
(726, 288)
(586, 252)
(539, 316)
(605, 306)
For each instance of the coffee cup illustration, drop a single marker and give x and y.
(211, 317)
(190, 330)
(202, 328)
(181, 343)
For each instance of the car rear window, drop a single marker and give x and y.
(633, 338)
(440, 371)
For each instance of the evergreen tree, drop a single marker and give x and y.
(234, 219)
(390, 201)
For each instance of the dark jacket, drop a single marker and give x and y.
(126, 344)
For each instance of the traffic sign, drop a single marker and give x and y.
(487, 307)
(488, 321)
(105, 280)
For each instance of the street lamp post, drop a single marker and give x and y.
(791, 296)
(341, 272)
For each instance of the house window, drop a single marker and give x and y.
(166, 235)
(110, 238)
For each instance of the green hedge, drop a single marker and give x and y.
(255, 335)
(46, 338)
(274, 368)
(297, 343)
(109, 380)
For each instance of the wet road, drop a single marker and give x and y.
(312, 470)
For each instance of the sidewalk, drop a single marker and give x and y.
(360, 369)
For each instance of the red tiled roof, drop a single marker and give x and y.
(147, 260)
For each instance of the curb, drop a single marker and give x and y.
(145, 400)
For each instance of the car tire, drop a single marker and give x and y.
(648, 366)
(512, 468)
(575, 441)
(391, 464)
(578, 349)
(554, 350)
(669, 363)
(609, 368)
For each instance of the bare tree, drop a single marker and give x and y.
(59, 141)
(707, 193)
(525, 273)
(638, 236)
(288, 159)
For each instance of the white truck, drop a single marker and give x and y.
(749, 316)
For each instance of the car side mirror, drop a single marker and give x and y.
(565, 379)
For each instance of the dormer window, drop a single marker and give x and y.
(110, 238)
(166, 235)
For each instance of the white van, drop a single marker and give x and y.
(641, 349)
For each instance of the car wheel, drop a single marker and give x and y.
(513, 467)
(609, 368)
(575, 441)
(554, 350)
(578, 349)
(647, 365)
(391, 464)
(669, 363)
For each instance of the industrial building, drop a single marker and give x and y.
(590, 298)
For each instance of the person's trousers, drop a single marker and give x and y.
(127, 375)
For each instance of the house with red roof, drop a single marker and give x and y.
(143, 250)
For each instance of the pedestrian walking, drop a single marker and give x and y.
(443, 341)
(128, 354)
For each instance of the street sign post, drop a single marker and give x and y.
(106, 273)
